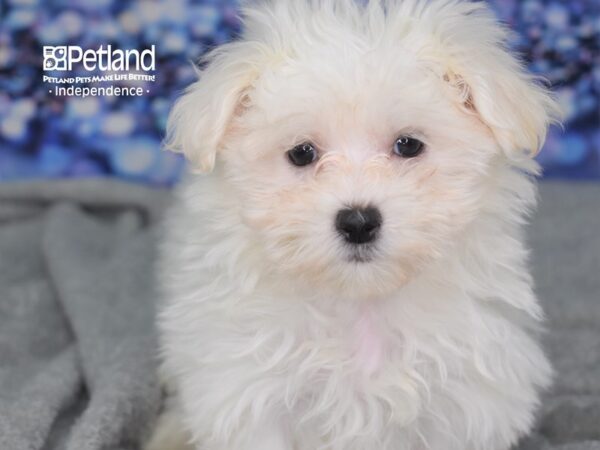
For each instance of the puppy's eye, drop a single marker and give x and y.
(408, 147)
(302, 154)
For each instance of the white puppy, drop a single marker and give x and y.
(350, 273)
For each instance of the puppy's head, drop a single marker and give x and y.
(361, 139)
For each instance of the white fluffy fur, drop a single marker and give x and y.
(272, 339)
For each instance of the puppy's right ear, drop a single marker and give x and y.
(200, 118)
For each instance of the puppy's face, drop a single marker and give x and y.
(355, 183)
(358, 157)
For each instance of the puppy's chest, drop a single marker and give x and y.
(367, 343)
(360, 343)
(358, 360)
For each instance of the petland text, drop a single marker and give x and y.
(63, 58)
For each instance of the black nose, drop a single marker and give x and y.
(358, 225)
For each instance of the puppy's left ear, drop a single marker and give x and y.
(494, 85)
(201, 117)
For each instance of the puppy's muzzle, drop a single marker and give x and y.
(358, 225)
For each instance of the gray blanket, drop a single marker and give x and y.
(77, 343)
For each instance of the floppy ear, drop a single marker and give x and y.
(516, 108)
(493, 84)
(200, 118)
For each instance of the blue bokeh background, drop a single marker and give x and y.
(42, 135)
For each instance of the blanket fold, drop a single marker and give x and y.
(76, 330)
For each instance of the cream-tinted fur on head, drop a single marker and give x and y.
(273, 338)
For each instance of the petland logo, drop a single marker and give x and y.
(117, 63)
(104, 59)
